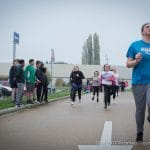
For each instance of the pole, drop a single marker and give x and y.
(51, 75)
(14, 50)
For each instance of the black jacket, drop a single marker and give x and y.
(39, 75)
(12, 74)
(20, 78)
(76, 77)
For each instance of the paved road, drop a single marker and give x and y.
(59, 126)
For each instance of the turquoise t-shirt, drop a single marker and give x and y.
(141, 72)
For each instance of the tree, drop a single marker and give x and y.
(85, 54)
(59, 82)
(96, 49)
(90, 50)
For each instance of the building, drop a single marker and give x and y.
(63, 71)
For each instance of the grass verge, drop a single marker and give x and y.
(7, 102)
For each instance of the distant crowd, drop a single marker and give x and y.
(32, 77)
(107, 81)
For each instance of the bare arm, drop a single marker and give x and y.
(133, 62)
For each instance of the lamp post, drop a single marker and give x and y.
(52, 61)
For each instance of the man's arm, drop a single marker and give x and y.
(131, 63)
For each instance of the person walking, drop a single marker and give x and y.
(115, 84)
(138, 58)
(76, 77)
(96, 85)
(107, 78)
(30, 81)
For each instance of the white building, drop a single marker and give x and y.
(64, 70)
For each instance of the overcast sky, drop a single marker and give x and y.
(64, 25)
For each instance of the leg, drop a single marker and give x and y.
(139, 92)
(79, 93)
(13, 94)
(106, 96)
(46, 93)
(148, 101)
(93, 92)
(109, 94)
(97, 91)
(19, 93)
(114, 92)
(39, 90)
(73, 94)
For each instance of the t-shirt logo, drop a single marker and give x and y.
(146, 50)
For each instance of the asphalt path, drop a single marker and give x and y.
(60, 126)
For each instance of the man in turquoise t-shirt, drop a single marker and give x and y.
(30, 81)
(138, 58)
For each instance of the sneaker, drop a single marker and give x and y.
(17, 106)
(46, 101)
(93, 98)
(139, 138)
(148, 118)
(30, 102)
(39, 101)
(97, 99)
(22, 106)
(72, 103)
(105, 107)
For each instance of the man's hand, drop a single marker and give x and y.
(138, 57)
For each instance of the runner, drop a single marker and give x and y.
(138, 58)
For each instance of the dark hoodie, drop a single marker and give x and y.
(76, 77)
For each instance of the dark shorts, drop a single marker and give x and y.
(13, 85)
(30, 87)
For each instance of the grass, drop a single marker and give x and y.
(7, 102)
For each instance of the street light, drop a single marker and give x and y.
(52, 61)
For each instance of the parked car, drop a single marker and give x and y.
(5, 90)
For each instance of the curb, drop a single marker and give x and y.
(14, 109)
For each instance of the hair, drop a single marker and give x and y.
(75, 67)
(96, 72)
(31, 60)
(21, 61)
(44, 69)
(38, 62)
(42, 65)
(105, 65)
(142, 28)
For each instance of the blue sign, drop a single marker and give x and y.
(16, 38)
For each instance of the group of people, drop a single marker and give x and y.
(108, 79)
(138, 58)
(32, 79)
